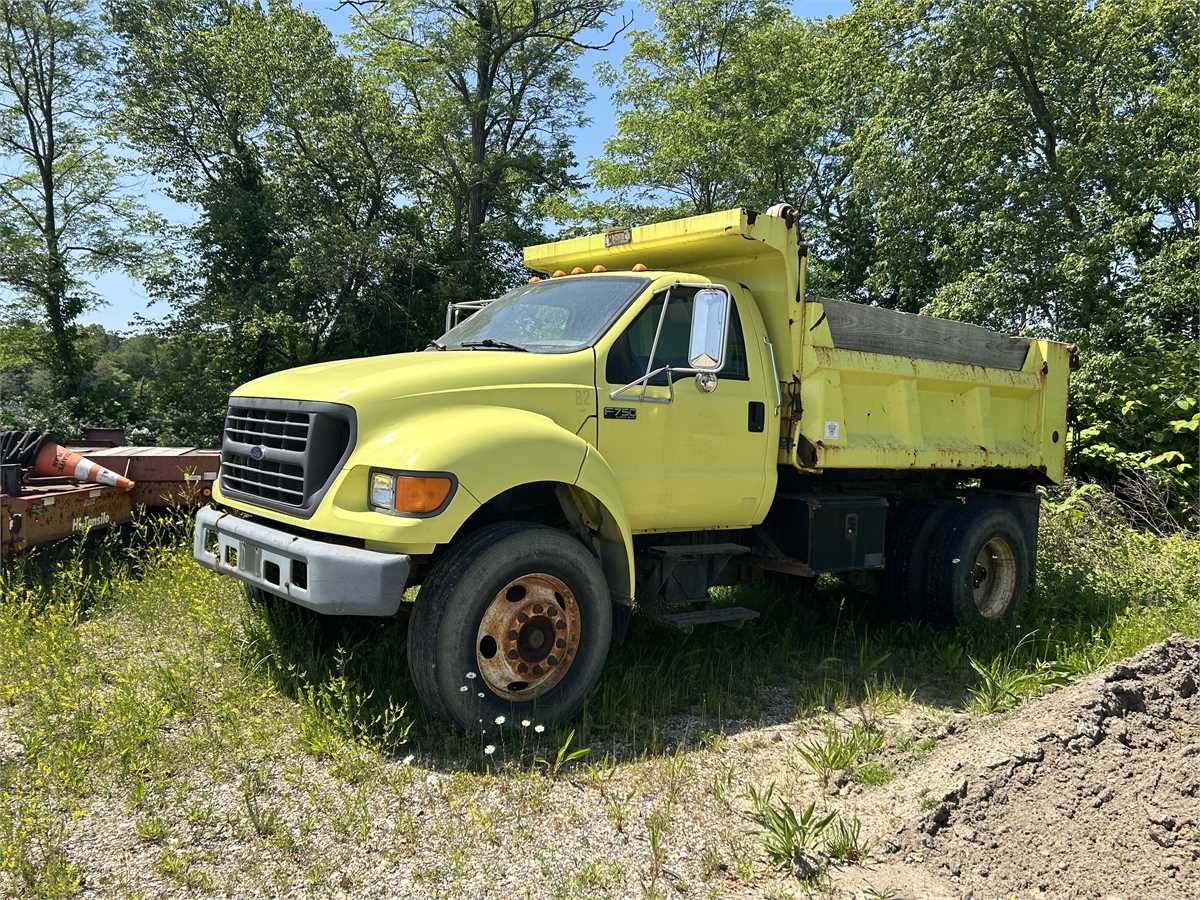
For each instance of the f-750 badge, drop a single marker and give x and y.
(620, 412)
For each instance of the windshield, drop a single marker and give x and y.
(547, 317)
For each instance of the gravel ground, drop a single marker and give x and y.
(1093, 791)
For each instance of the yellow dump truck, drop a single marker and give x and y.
(659, 410)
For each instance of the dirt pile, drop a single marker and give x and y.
(1092, 792)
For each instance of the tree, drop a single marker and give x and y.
(686, 92)
(489, 94)
(739, 103)
(297, 163)
(63, 214)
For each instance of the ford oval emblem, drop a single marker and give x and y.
(256, 453)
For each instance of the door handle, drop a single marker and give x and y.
(756, 417)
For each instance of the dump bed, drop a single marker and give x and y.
(863, 387)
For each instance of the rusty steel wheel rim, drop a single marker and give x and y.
(528, 637)
(994, 578)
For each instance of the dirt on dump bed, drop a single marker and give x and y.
(1092, 792)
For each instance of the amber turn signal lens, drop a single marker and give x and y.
(558, 273)
(421, 493)
(639, 267)
(599, 268)
(578, 270)
(534, 280)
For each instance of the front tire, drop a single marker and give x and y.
(517, 612)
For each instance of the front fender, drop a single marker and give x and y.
(597, 481)
(488, 449)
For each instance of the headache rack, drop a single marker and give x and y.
(464, 309)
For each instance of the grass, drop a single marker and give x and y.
(787, 836)
(805, 842)
(131, 677)
(839, 750)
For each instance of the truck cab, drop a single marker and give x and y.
(658, 410)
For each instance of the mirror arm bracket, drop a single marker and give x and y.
(644, 383)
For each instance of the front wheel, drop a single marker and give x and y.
(517, 613)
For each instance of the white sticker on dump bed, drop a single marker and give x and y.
(833, 429)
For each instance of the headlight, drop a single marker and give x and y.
(383, 490)
(410, 494)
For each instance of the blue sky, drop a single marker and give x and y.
(125, 297)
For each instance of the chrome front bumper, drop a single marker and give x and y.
(326, 578)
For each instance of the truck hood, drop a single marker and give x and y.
(381, 379)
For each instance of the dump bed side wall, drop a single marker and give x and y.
(858, 409)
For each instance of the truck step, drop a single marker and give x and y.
(736, 616)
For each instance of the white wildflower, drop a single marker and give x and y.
(524, 723)
(539, 728)
(499, 720)
(470, 674)
(489, 749)
(480, 695)
(463, 689)
(408, 760)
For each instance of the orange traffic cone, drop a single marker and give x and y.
(54, 460)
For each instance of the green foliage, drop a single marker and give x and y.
(844, 841)
(788, 837)
(63, 214)
(1137, 416)
(298, 162)
(564, 757)
(839, 750)
(1004, 682)
(681, 89)
(489, 96)
(335, 710)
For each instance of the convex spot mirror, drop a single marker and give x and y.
(710, 320)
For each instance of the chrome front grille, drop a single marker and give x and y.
(283, 454)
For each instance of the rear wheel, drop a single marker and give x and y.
(903, 585)
(513, 621)
(978, 565)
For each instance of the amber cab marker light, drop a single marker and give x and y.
(534, 279)
(578, 270)
(599, 268)
(558, 273)
(639, 267)
(421, 493)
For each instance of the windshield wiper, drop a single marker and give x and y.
(494, 344)
(435, 344)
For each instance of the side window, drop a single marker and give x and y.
(736, 365)
(630, 353)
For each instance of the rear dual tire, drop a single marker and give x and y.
(965, 565)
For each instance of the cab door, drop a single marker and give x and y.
(700, 460)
